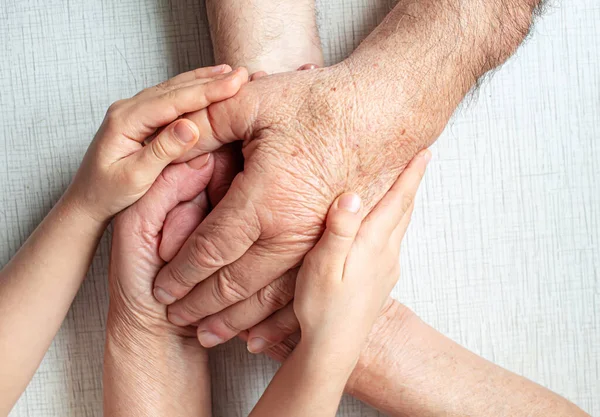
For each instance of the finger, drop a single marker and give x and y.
(274, 330)
(229, 161)
(228, 120)
(180, 223)
(328, 257)
(388, 213)
(196, 74)
(231, 284)
(226, 324)
(148, 115)
(174, 141)
(281, 351)
(223, 237)
(257, 75)
(177, 183)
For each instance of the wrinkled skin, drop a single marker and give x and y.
(136, 245)
(308, 137)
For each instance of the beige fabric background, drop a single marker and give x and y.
(504, 251)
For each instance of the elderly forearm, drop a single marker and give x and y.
(411, 369)
(153, 375)
(432, 52)
(264, 35)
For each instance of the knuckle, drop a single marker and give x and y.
(159, 150)
(286, 326)
(179, 278)
(205, 253)
(192, 309)
(273, 298)
(163, 85)
(228, 290)
(229, 324)
(115, 111)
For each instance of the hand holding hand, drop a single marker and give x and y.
(117, 168)
(346, 278)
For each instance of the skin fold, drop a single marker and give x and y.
(308, 136)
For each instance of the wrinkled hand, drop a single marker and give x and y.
(308, 137)
(136, 244)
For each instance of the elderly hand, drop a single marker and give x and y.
(152, 367)
(137, 236)
(310, 136)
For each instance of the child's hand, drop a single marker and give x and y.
(117, 168)
(346, 278)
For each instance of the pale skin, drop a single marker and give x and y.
(310, 135)
(39, 283)
(152, 367)
(338, 297)
(354, 338)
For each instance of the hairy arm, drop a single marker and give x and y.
(264, 35)
(410, 369)
(430, 54)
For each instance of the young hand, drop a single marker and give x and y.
(117, 168)
(346, 278)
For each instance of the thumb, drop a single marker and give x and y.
(342, 224)
(227, 121)
(171, 143)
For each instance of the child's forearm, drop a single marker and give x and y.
(310, 382)
(36, 289)
(153, 374)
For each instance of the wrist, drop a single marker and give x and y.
(385, 346)
(128, 325)
(149, 373)
(288, 33)
(80, 207)
(334, 359)
(70, 210)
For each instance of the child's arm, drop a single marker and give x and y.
(38, 285)
(341, 287)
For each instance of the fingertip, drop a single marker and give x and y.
(257, 345)
(349, 202)
(241, 74)
(221, 69)
(186, 131)
(163, 297)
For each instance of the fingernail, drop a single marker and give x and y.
(234, 72)
(177, 320)
(184, 132)
(221, 68)
(208, 339)
(349, 202)
(427, 155)
(199, 162)
(163, 297)
(307, 67)
(257, 345)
